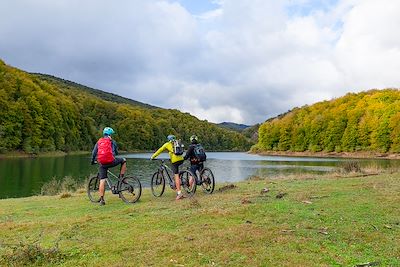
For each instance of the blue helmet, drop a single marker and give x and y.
(171, 137)
(108, 131)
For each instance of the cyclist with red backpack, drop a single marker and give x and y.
(196, 155)
(104, 152)
(175, 151)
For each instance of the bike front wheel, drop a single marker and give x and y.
(188, 182)
(157, 184)
(93, 189)
(207, 180)
(130, 189)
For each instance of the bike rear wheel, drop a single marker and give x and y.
(207, 180)
(93, 189)
(157, 184)
(130, 189)
(188, 182)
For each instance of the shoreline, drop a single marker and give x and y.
(349, 155)
(20, 154)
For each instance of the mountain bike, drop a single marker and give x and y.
(128, 188)
(165, 173)
(205, 178)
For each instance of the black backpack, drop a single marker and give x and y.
(178, 147)
(199, 153)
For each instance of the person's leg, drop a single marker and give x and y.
(177, 183)
(116, 162)
(192, 179)
(102, 188)
(175, 169)
(123, 168)
(102, 184)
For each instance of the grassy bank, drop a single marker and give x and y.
(324, 221)
(322, 154)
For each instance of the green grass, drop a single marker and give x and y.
(350, 221)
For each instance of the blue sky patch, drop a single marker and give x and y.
(307, 7)
(198, 6)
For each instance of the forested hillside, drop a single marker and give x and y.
(367, 121)
(44, 113)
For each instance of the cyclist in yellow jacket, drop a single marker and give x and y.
(176, 161)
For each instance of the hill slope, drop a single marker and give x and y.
(69, 85)
(367, 121)
(44, 113)
(233, 126)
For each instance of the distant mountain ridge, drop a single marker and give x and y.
(233, 126)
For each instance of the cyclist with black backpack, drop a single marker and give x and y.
(175, 151)
(104, 153)
(196, 155)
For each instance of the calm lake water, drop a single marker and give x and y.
(22, 177)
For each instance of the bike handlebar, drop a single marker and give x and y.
(162, 160)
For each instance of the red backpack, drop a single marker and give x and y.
(104, 151)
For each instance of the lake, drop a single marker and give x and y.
(20, 177)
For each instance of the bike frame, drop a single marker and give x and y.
(164, 168)
(108, 181)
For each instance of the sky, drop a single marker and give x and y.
(220, 60)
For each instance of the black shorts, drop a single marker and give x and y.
(175, 166)
(103, 168)
(196, 167)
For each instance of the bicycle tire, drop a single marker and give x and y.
(207, 180)
(157, 184)
(93, 189)
(130, 189)
(185, 177)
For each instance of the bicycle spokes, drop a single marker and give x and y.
(207, 181)
(188, 182)
(93, 189)
(130, 189)
(157, 184)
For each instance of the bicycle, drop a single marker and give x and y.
(128, 188)
(207, 181)
(163, 172)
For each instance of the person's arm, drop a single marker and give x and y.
(114, 147)
(189, 153)
(94, 153)
(159, 151)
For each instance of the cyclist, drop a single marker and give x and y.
(176, 161)
(196, 155)
(104, 152)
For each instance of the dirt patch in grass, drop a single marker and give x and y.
(227, 187)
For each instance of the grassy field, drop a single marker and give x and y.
(318, 221)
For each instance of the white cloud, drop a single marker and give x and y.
(368, 51)
(243, 62)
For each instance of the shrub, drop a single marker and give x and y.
(30, 253)
(51, 188)
(350, 166)
(68, 184)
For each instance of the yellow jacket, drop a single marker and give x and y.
(168, 146)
